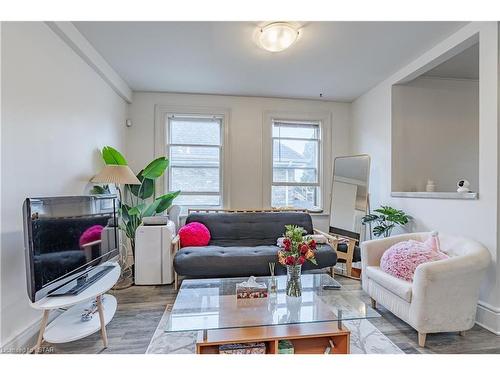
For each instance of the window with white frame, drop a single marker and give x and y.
(195, 153)
(296, 164)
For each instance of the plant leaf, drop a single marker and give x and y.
(369, 218)
(136, 211)
(112, 156)
(379, 230)
(166, 201)
(151, 208)
(156, 168)
(146, 191)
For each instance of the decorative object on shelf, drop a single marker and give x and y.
(463, 186)
(243, 348)
(285, 347)
(431, 186)
(88, 313)
(251, 289)
(386, 219)
(141, 190)
(296, 250)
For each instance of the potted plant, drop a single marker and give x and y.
(296, 249)
(139, 200)
(386, 219)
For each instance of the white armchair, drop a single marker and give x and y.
(443, 295)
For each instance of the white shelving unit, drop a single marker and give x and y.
(68, 326)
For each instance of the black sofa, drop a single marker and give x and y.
(243, 244)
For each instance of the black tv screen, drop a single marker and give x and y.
(65, 237)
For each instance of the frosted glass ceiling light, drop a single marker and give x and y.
(277, 36)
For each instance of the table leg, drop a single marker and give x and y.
(101, 319)
(43, 324)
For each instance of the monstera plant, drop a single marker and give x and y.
(386, 219)
(140, 200)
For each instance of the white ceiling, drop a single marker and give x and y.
(341, 60)
(465, 65)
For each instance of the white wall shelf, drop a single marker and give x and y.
(434, 195)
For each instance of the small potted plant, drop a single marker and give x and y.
(386, 219)
(294, 252)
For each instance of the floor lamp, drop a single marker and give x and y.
(119, 175)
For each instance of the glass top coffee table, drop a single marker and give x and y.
(312, 322)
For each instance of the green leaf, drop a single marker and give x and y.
(379, 230)
(166, 201)
(156, 168)
(112, 156)
(369, 218)
(151, 209)
(135, 211)
(146, 190)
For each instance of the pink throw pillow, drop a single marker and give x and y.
(90, 235)
(194, 234)
(401, 259)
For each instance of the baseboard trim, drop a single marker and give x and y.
(488, 317)
(26, 339)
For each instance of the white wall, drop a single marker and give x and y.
(371, 133)
(56, 114)
(245, 136)
(435, 134)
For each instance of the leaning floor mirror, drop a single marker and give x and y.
(349, 203)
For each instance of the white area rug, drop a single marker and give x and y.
(365, 339)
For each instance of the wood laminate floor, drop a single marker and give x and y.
(140, 309)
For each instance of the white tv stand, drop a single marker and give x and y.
(68, 326)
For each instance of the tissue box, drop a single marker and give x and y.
(250, 292)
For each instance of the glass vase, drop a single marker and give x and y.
(293, 284)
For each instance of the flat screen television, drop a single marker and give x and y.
(65, 238)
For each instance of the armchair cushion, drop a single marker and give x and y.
(401, 259)
(401, 288)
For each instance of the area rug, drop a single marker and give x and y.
(365, 339)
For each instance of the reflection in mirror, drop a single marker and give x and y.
(349, 195)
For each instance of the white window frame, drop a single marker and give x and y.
(324, 153)
(162, 145)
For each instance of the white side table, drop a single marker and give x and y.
(68, 326)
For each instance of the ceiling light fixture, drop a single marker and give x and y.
(277, 36)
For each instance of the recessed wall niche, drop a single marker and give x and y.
(435, 129)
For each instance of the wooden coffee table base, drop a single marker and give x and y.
(307, 338)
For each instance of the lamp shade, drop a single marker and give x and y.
(116, 174)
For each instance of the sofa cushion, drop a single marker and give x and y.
(249, 228)
(240, 261)
(401, 288)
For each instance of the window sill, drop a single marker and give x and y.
(434, 195)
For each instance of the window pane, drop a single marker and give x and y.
(285, 174)
(197, 200)
(294, 196)
(295, 131)
(195, 131)
(194, 156)
(291, 153)
(194, 179)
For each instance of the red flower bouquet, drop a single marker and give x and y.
(297, 248)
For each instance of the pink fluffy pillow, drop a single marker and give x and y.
(90, 235)
(401, 259)
(194, 234)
